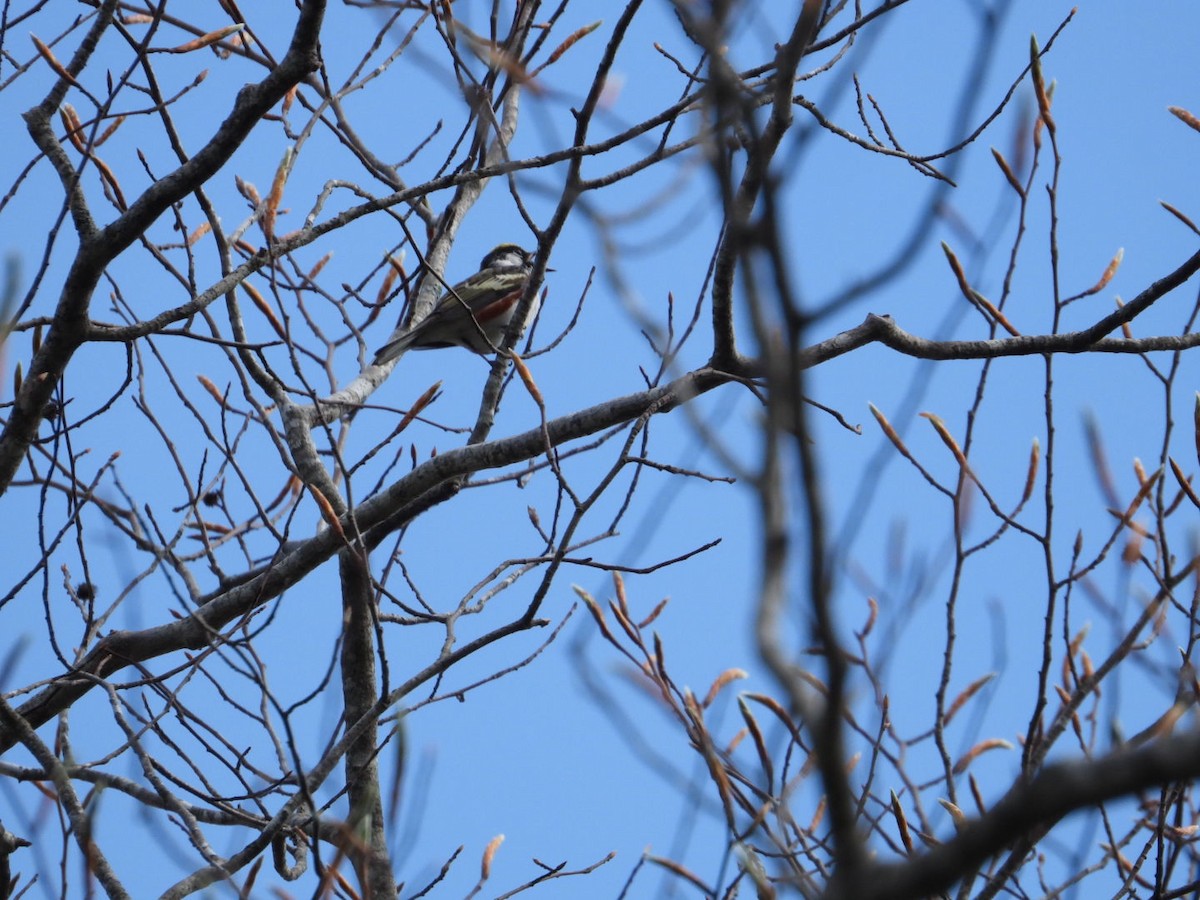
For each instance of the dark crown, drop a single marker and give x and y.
(506, 256)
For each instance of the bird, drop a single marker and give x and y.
(475, 312)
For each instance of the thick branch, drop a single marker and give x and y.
(1056, 791)
(123, 648)
(1092, 338)
(98, 249)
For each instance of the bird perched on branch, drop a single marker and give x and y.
(475, 312)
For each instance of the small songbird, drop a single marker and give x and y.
(475, 312)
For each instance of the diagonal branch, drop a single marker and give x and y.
(99, 248)
(375, 519)
(1034, 804)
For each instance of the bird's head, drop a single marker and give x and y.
(507, 256)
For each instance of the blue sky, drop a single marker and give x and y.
(531, 755)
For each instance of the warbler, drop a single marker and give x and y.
(475, 312)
